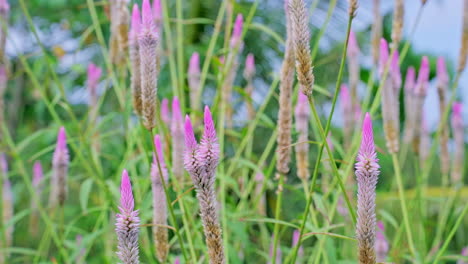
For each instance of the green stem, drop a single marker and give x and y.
(279, 201)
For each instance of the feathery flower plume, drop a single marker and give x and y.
(194, 79)
(420, 92)
(285, 102)
(464, 45)
(127, 224)
(237, 31)
(134, 54)
(347, 109)
(200, 161)
(300, 39)
(38, 175)
(367, 171)
(160, 234)
(395, 73)
(60, 162)
(157, 13)
(165, 114)
(397, 26)
(4, 15)
(410, 83)
(148, 42)
(376, 31)
(177, 134)
(7, 206)
(249, 73)
(295, 239)
(442, 87)
(464, 253)
(458, 135)
(353, 67)
(120, 18)
(381, 243)
(302, 114)
(390, 105)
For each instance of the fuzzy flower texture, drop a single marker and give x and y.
(127, 224)
(201, 161)
(367, 171)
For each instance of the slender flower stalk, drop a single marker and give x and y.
(420, 92)
(295, 239)
(158, 20)
(299, 30)
(165, 114)
(127, 224)
(302, 114)
(194, 79)
(160, 234)
(367, 171)
(177, 135)
(353, 67)
(4, 15)
(148, 42)
(38, 175)
(464, 42)
(249, 73)
(347, 109)
(381, 243)
(8, 209)
(376, 31)
(60, 163)
(442, 87)
(285, 104)
(201, 161)
(120, 18)
(134, 54)
(397, 26)
(458, 135)
(410, 84)
(390, 105)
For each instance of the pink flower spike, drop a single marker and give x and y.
(94, 73)
(367, 144)
(3, 163)
(194, 66)
(442, 75)
(165, 111)
(395, 70)
(237, 31)
(158, 146)
(250, 63)
(383, 58)
(176, 112)
(345, 97)
(135, 22)
(190, 141)
(177, 260)
(4, 6)
(410, 79)
(209, 132)
(126, 194)
(157, 11)
(61, 140)
(353, 47)
(296, 237)
(147, 15)
(37, 173)
(423, 77)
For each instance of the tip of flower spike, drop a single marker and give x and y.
(190, 141)
(380, 225)
(296, 237)
(367, 142)
(353, 48)
(464, 251)
(237, 31)
(176, 112)
(136, 20)
(259, 177)
(157, 11)
(344, 92)
(457, 108)
(395, 69)
(37, 173)
(177, 260)
(194, 66)
(146, 14)
(250, 63)
(158, 146)
(126, 195)
(423, 76)
(383, 58)
(4, 5)
(61, 139)
(2, 72)
(94, 72)
(410, 79)
(302, 98)
(210, 131)
(165, 110)
(442, 74)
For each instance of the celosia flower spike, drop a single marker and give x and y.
(395, 71)
(237, 30)
(381, 243)
(250, 65)
(194, 79)
(383, 58)
(147, 14)
(410, 80)
(177, 131)
(353, 47)
(157, 11)
(37, 173)
(367, 170)
(134, 54)
(209, 148)
(442, 75)
(127, 224)
(423, 77)
(194, 65)
(458, 135)
(135, 22)
(60, 161)
(165, 115)
(190, 141)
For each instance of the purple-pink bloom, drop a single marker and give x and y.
(94, 73)
(135, 24)
(353, 47)
(381, 243)
(423, 77)
(464, 253)
(383, 58)
(295, 239)
(4, 6)
(127, 224)
(442, 75)
(410, 80)
(209, 147)
(165, 114)
(302, 112)
(395, 71)
(457, 109)
(250, 65)
(37, 173)
(147, 19)
(177, 131)
(157, 11)
(194, 65)
(177, 260)
(237, 30)
(60, 162)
